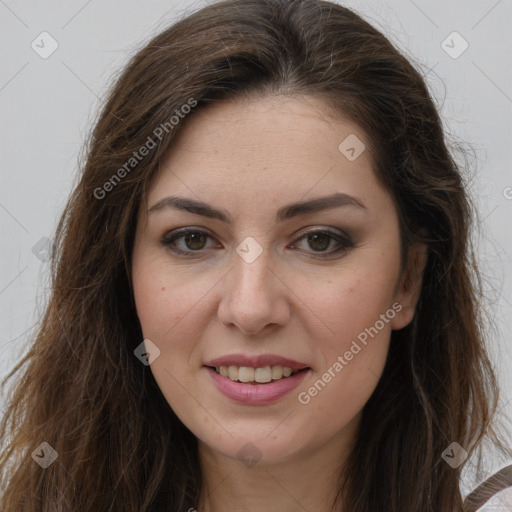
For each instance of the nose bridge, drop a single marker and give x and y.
(252, 297)
(251, 270)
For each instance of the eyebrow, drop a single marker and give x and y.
(286, 212)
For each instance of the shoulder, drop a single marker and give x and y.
(501, 502)
(494, 494)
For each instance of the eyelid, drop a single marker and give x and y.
(345, 241)
(340, 236)
(168, 239)
(334, 232)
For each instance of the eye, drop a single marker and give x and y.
(193, 240)
(320, 240)
(189, 241)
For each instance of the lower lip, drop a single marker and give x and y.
(256, 394)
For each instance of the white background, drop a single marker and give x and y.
(48, 106)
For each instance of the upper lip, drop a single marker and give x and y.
(256, 361)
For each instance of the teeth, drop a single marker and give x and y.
(261, 375)
(245, 374)
(277, 372)
(233, 372)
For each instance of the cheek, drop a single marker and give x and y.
(352, 302)
(359, 306)
(174, 310)
(358, 311)
(163, 296)
(167, 308)
(153, 300)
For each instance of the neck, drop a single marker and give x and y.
(303, 481)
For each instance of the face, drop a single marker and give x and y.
(266, 270)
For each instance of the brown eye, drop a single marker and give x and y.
(319, 241)
(186, 241)
(190, 241)
(195, 240)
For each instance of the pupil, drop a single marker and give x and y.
(194, 237)
(322, 237)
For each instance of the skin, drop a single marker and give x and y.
(250, 158)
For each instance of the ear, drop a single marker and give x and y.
(409, 287)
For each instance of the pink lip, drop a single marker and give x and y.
(256, 362)
(256, 394)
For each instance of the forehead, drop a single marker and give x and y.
(266, 150)
(288, 125)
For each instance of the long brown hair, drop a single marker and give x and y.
(81, 389)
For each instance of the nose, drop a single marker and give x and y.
(254, 297)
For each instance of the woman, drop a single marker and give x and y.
(264, 295)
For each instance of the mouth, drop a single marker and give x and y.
(256, 380)
(258, 375)
(255, 385)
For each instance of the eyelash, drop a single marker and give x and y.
(169, 241)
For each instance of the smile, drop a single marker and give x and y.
(252, 392)
(261, 375)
